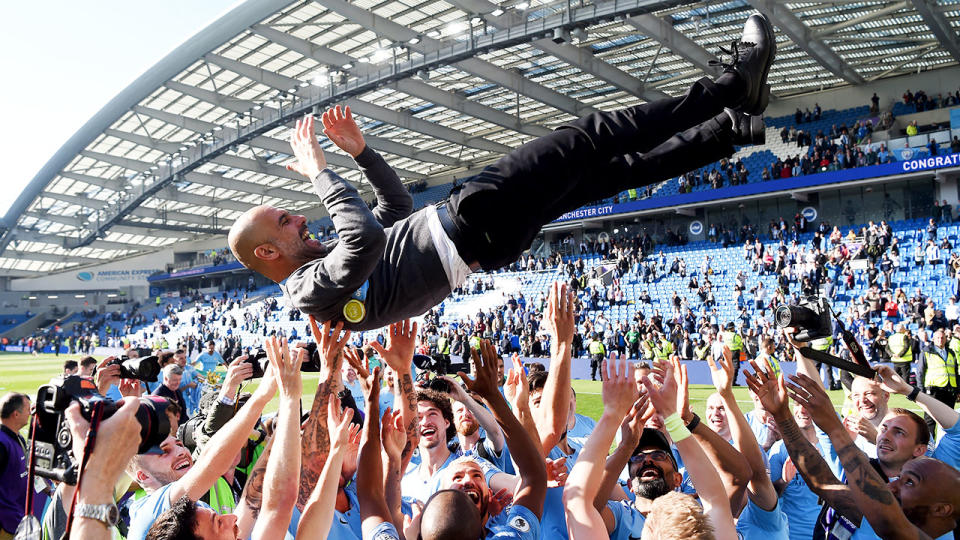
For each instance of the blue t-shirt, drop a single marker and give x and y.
(414, 487)
(581, 430)
(799, 504)
(865, 532)
(519, 523)
(384, 531)
(554, 520)
(757, 523)
(948, 449)
(628, 521)
(209, 361)
(143, 512)
(760, 429)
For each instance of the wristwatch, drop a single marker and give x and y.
(107, 513)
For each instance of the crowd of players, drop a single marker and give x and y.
(503, 453)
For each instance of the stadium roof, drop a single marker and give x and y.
(441, 87)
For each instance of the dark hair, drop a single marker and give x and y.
(177, 523)
(536, 380)
(923, 431)
(12, 403)
(87, 360)
(165, 358)
(441, 402)
(70, 364)
(534, 367)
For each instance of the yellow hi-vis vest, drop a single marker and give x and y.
(941, 374)
(596, 347)
(822, 344)
(772, 363)
(732, 340)
(900, 342)
(664, 351)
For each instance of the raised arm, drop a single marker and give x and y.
(218, 455)
(945, 415)
(530, 466)
(361, 237)
(869, 491)
(710, 489)
(551, 415)
(772, 393)
(315, 444)
(393, 200)
(586, 479)
(318, 512)
(760, 488)
(280, 494)
(398, 354)
(371, 498)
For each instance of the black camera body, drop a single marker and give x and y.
(53, 440)
(146, 369)
(810, 319)
(258, 359)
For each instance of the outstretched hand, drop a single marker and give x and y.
(721, 371)
(343, 131)
(770, 390)
(619, 390)
(891, 382)
(329, 345)
(485, 369)
(401, 341)
(815, 401)
(516, 389)
(560, 319)
(664, 397)
(310, 158)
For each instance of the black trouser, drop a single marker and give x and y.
(595, 361)
(499, 211)
(903, 370)
(947, 395)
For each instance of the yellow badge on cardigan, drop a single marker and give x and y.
(354, 310)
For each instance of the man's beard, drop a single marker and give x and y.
(651, 489)
(917, 515)
(467, 428)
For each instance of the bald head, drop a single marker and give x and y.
(244, 235)
(450, 515)
(273, 242)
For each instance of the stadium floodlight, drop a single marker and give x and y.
(522, 6)
(497, 12)
(414, 40)
(476, 21)
(304, 84)
(456, 27)
(348, 65)
(257, 107)
(217, 128)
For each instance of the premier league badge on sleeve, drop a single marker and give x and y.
(520, 524)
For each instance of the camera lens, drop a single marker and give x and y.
(154, 422)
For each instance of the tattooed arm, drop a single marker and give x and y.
(398, 354)
(315, 443)
(772, 393)
(252, 497)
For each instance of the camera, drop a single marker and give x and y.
(146, 369)
(258, 359)
(810, 319)
(52, 437)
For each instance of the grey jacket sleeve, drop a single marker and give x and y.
(361, 237)
(393, 200)
(217, 416)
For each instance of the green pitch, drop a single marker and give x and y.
(25, 373)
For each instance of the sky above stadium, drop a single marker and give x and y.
(64, 60)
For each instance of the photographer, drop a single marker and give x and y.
(14, 415)
(173, 474)
(117, 440)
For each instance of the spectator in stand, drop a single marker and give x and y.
(875, 104)
(955, 145)
(912, 128)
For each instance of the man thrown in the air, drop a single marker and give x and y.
(389, 264)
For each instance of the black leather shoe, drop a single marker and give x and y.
(747, 129)
(752, 55)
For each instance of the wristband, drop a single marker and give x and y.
(675, 427)
(693, 423)
(912, 396)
